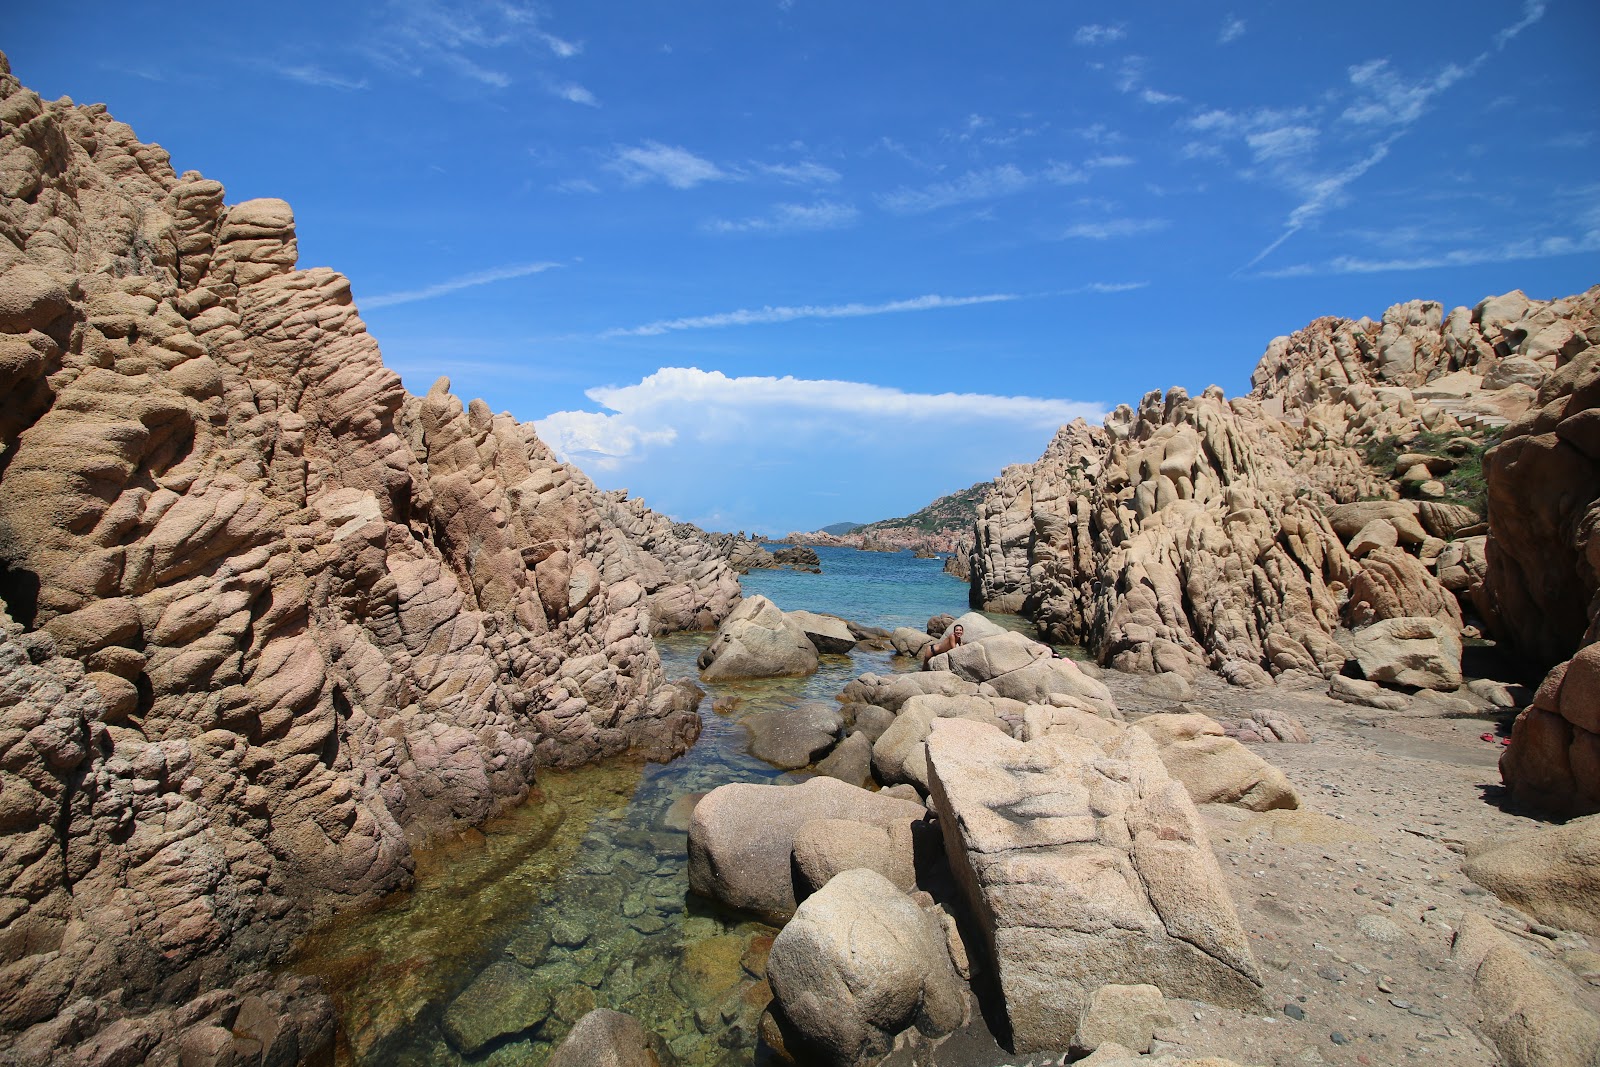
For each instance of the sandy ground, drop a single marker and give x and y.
(1352, 900)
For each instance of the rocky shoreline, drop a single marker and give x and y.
(270, 623)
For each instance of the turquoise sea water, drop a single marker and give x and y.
(886, 589)
(579, 898)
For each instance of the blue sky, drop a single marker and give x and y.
(775, 265)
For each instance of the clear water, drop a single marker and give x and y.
(582, 893)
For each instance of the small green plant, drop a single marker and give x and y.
(1464, 484)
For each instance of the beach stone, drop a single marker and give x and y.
(1552, 874)
(757, 640)
(829, 633)
(504, 999)
(1023, 669)
(825, 847)
(606, 1038)
(858, 964)
(1379, 533)
(868, 719)
(851, 761)
(1381, 929)
(909, 642)
(1168, 685)
(1083, 866)
(741, 838)
(1415, 651)
(1124, 1015)
(793, 737)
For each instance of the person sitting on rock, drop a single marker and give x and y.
(941, 646)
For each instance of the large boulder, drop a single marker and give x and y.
(891, 691)
(741, 837)
(1023, 669)
(1348, 520)
(606, 1038)
(1084, 865)
(1553, 874)
(793, 737)
(851, 761)
(900, 756)
(829, 633)
(1394, 584)
(1420, 652)
(1530, 1019)
(908, 641)
(824, 848)
(1553, 763)
(504, 999)
(1215, 768)
(858, 964)
(758, 640)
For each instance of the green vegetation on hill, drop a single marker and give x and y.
(1465, 483)
(953, 513)
(839, 529)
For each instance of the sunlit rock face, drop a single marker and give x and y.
(270, 618)
(1204, 531)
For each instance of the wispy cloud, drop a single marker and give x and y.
(1385, 99)
(1109, 161)
(1109, 228)
(1156, 96)
(1232, 29)
(648, 413)
(310, 74)
(770, 314)
(1097, 34)
(465, 281)
(1532, 11)
(1112, 287)
(1281, 141)
(654, 161)
(988, 184)
(480, 41)
(792, 218)
(802, 173)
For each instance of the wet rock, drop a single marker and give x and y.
(504, 999)
(794, 737)
(606, 1038)
(858, 964)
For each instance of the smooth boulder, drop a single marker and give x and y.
(1215, 768)
(1414, 651)
(758, 641)
(1553, 874)
(606, 1038)
(858, 964)
(794, 737)
(741, 837)
(829, 633)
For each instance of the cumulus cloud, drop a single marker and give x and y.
(763, 315)
(465, 281)
(653, 412)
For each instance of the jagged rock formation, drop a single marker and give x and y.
(271, 618)
(1206, 531)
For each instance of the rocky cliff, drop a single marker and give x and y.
(269, 619)
(1203, 531)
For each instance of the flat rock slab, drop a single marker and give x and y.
(1084, 866)
(795, 736)
(503, 1000)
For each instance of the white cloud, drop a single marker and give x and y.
(310, 74)
(1115, 287)
(1096, 35)
(564, 49)
(576, 185)
(992, 183)
(804, 173)
(577, 94)
(1156, 96)
(1110, 161)
(654, 161)
(1387, 100)
(792, 218)
(1282, 141)
(769, 314)
(1532, 11)
(1109, 228)
(1526, 249)
(1232, 29)
(466, 281)
(661, 408)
